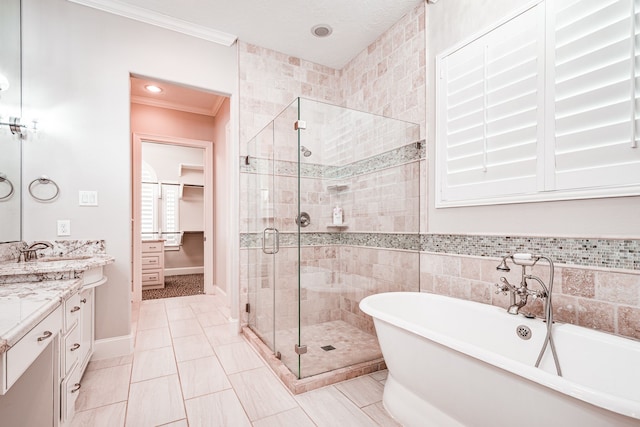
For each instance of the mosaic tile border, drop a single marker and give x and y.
(593, 252)
(375, 240)
(401, 155)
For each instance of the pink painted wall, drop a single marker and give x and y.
(163, 121)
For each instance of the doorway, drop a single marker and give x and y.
(173, 185)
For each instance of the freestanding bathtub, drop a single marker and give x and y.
(461, 363)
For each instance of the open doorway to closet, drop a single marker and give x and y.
(177, 132)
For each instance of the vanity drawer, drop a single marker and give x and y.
(150, 261)
(70, 390)
(152, 247)
(151, 278)
(19, 357)
(72, 309)
(72, 349)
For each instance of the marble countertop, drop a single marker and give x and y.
(24, 305)
(54, 264)
(30, 291)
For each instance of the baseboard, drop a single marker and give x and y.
(112, 347)
(179, 271)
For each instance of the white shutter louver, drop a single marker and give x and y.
(595, 99)
(490, 105)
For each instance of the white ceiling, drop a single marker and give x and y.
(281, 25)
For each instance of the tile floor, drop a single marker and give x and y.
(190, 369)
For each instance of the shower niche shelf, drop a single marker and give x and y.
(339, 227)
(337, 187)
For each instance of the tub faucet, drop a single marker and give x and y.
(31, 251)
(518, 295)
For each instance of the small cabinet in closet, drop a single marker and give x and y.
(153, 264)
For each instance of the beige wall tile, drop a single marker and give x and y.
(629, 321)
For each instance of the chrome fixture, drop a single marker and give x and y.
(30, 253)
(303, 220)
(18, 128)
(519, 295)
(305, 151)
(43, 180)
(9, 193)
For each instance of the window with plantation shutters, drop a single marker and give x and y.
(543, 106)
(595, 79)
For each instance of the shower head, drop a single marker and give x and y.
(503, 264)
(305, 151)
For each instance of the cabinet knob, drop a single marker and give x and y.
(83, 300)
(47, 334)
(75, 308)
(76, 388)
(75, 347)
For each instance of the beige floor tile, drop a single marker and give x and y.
(261, 393)
(109, 363)
(152, 320)
(222, 334)
(380, 415)
(238, 357)
(104, 416)
(179, 313)
(212, 318)
(203, 307)
(155, 402)
(291, 418)
(192, 347)
(153, 338)
(328, 407)
(154, 363)
(202, 376)
(185, 327)
(181, 423)
(220, 409)
(362, 391)
(104, 386)
(380, 375)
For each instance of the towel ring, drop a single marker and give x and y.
(3, 178)
(44, 180)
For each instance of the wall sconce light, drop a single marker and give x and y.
(18, 128)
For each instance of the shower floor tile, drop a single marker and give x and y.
(352, 346)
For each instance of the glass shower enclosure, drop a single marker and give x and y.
(306, 271)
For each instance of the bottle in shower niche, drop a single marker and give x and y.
(337, 215)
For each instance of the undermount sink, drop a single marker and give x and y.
(64, 258)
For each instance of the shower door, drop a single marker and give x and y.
(273, 258)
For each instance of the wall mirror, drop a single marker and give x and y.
(10, 106)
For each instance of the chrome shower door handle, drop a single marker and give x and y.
(276, 243)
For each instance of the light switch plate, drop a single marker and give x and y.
(87, 198)
(64, 227)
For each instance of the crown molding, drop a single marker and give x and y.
(176, 106)
(160, 20)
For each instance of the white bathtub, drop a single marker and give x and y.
(460, 363)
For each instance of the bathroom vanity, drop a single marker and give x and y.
(46, 336)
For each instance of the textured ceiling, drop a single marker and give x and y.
(281, 25)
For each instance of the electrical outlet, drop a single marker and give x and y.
(64, 227)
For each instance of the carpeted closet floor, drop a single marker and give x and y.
(177, 286)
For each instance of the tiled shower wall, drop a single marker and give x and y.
(389, 78)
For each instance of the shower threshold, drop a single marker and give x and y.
(301, 385)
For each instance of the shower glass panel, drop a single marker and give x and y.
(306, 278)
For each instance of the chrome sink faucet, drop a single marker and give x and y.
(30, 253)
